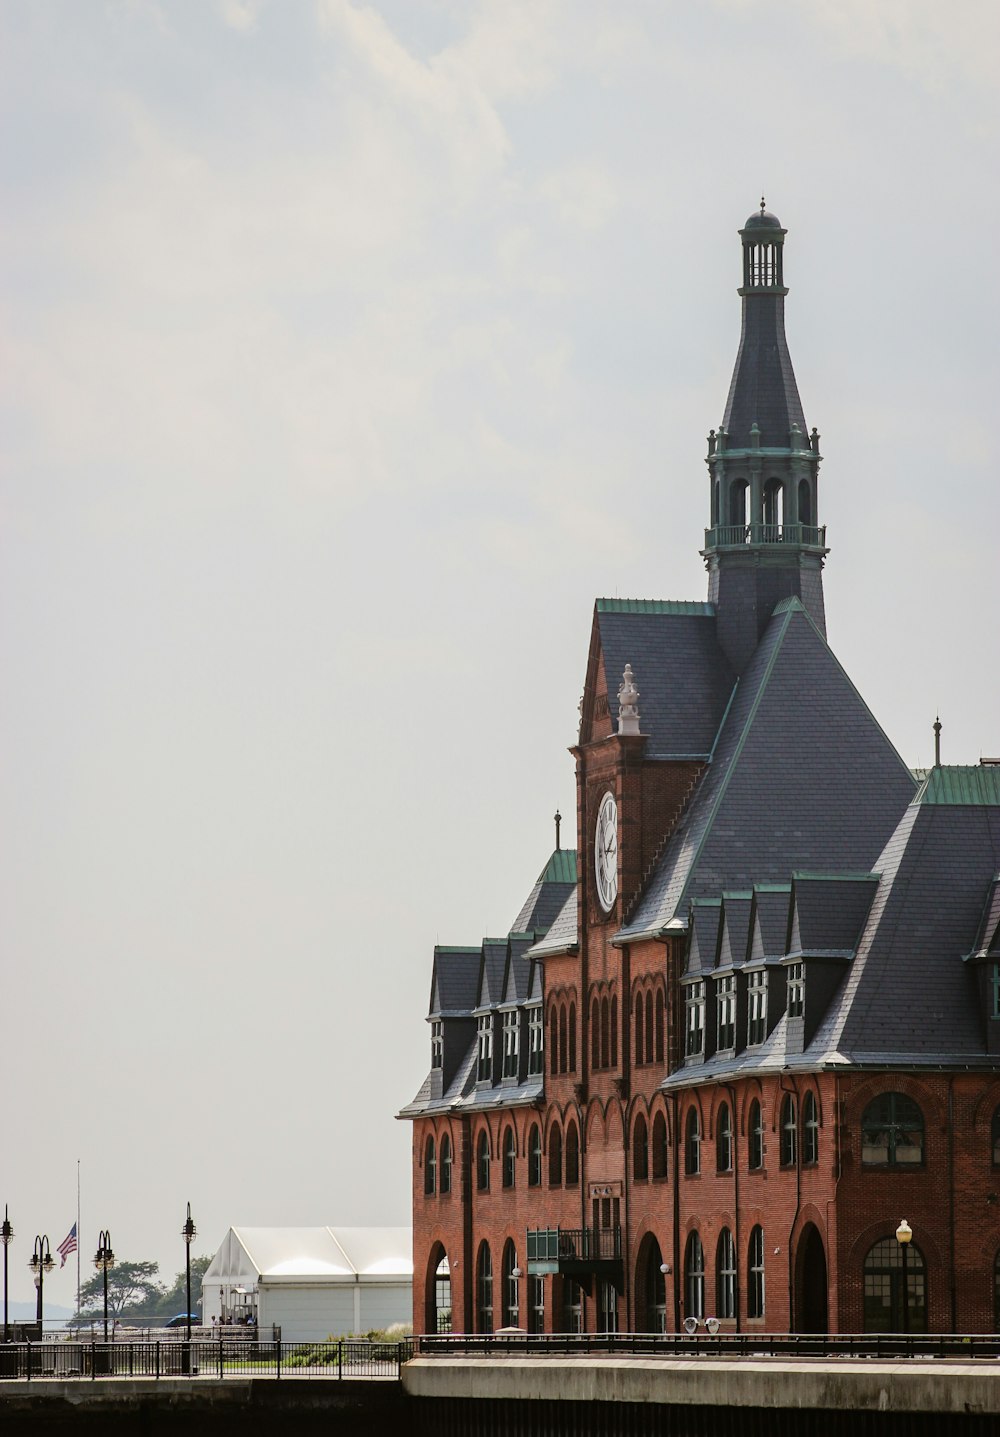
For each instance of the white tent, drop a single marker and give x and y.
(312, 1282)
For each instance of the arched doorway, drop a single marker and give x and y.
(437, 1297)
(811, 1288)
(884, 1298)
(650, 1287)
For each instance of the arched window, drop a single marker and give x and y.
(614, 1032)
(509, 1158)
(605, 1033)
(511, 1286)
(789, 1132)
(774, 507)
(572, 1156)
(658, 1031)
(430, 1167)
(640, 1150)
(738, 502)
(756, 1135)
(640, 1047)
(650, 1046)
(810, 1129)
(694, 1277)
(534, 1157)
(995, 1137)
(725, 1275)
(555, 1156)
(483, 1162)
(805, 503)
(883, 1274)
(659, 1146)
(553, 1040)
(445, 1186)
(653, 1287)
(892, 1132)
(692, 1144)
(572, 1037)
(484, 1290)
(723, 1141)
(755, 1273)
(563, 1040)
(442, 1296)
(595, 1034)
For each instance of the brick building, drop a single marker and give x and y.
(753, 1022)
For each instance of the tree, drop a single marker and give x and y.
(132, 1287)
(174, 1299)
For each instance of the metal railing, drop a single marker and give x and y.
(953, 1346)
(731, 536)
(574, 1244)
(219, 1358)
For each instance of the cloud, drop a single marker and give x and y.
(241, 15)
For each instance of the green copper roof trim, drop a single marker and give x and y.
(656, 606)
(789, 606)
(561, 867)
(772, 888)
(456, 948)
(962, 786)
(805, 875)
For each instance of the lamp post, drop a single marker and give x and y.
(6, 1234)
(103, 1259)
(188, 1232)
(904, 1233)
(40, 1262)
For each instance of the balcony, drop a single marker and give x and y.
(578, 1252)
(736, 536)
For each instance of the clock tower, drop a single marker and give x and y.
(765, 542)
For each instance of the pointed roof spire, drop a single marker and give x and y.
(937, 741)
(558, 817)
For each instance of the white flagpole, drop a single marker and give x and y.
(79, 1237)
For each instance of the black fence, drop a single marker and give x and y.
(953, 1346)
(345, 1358)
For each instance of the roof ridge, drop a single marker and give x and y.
(692, 607)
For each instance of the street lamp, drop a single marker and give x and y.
(40, 1262)
(103, 1259)
(188, 1232)
(6, 1234)
(904, 1234)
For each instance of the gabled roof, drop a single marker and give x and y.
(684, 678)
(829, 910)
(314, 1254)
(988, 938)
(491, 973)
(908, 996)
(769, 920)
(735, 938)
(518, 975)
(706, 918)
(454, 981)
(801, 776)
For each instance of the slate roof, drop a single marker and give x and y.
(706, 917)
(684, 679)
(553, 885)
(988, 938)
(562, 936)
(735, 929)
(801, 776)
(769, 923)
(763, 388)
(454, 980)
(828, 911)
(908, 996)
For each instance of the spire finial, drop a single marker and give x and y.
(558, 821)
(937, 741)
(762, 204)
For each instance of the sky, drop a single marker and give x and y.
(349, 352)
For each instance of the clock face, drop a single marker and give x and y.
(606, 852)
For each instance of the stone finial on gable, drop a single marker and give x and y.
(628, 703)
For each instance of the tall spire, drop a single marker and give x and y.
(765, 542)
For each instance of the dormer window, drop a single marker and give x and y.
(796, 990)
(726, 1000)
(484, 1033)
(510, 1044)
(536, 1040)
(437, 1043)
(694, 1024)
(757, 1008)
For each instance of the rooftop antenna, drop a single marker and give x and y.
(558, 817)
(937, 741)
(762, 204)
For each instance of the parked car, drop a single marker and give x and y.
(183, 1318)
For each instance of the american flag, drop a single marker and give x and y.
(67, 1245)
